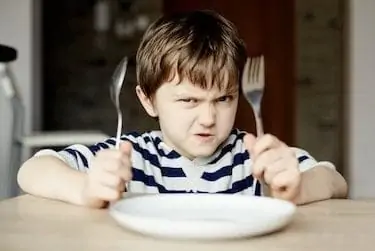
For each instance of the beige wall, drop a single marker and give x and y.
(319, 36)
(360, 42)
(336, 93)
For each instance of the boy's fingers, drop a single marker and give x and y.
(258, 172)
(108, 193)
(126, 148)
(249, 141)
(284, 185)
(265, 143)
(272, 162)
(125, 173)
(274, 169)
(121, 169)
(110, 180)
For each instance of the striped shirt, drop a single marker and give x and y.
(159, 169)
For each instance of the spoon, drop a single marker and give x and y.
(115, 89)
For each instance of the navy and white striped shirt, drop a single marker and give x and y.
(159, 169)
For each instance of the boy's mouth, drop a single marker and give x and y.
(204, 135)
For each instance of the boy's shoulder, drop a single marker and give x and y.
(143, 137)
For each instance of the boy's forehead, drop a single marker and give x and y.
(186, 86)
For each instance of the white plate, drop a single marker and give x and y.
(202, 216)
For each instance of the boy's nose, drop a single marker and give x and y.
(207, 116)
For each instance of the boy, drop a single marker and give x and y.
(188, 71)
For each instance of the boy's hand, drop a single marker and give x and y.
(275, 164)
(107, 176)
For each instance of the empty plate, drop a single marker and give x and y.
(202, 216)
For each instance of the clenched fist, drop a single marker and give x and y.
(276, 164)
(107, 176)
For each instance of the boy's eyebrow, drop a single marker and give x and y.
(186, 94)
(228, 92)
(231, 91)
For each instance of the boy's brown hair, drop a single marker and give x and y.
(201, 46)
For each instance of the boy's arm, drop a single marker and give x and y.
(321, 183)
(50, 177)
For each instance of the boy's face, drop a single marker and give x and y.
(193, 121)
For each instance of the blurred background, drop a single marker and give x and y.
(319, 68)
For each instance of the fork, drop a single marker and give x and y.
(252, 84)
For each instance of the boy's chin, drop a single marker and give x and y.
(203, 153)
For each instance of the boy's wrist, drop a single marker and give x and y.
(316, 185)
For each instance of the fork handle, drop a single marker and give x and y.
(259, 125)
(260, 132)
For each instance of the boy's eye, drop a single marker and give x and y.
(189, 100)
(224, 99)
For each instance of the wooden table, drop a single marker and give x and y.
(30, 223)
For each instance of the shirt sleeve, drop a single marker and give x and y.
(306, 161)
(79, 156)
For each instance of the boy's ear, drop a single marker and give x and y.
(146, 102)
